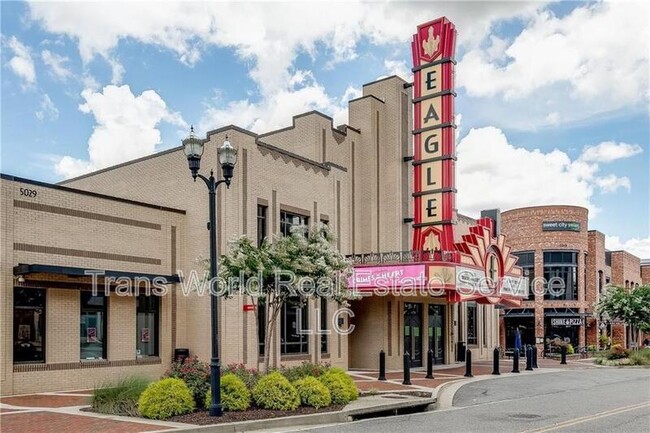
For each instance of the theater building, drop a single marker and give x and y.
(384, 183)
(556, 250)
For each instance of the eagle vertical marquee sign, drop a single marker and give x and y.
(434, 159)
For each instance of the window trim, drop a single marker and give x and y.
(304, 338)
(157, 320)
(13, 326)
(104, 324)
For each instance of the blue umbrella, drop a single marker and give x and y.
(518, 344)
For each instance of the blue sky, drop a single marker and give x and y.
(552, 100)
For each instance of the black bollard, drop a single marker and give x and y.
(529, 358)
(429, 365)
(407, 369)
(495, 361)
(382, 365)
(535, 357)
(468, 363)
(515, 361)
(563, 353)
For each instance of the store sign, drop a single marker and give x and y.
(560, 226)
(434, 157)
(579, 321)
(393, 277)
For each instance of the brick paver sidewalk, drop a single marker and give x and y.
(59, 412)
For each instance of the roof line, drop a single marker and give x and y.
(88, 193)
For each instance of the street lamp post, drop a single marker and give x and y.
(193, 148)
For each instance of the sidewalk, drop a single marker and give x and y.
(57, 412)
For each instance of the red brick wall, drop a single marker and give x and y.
(645, 275)
(523, 228)
(626, 269)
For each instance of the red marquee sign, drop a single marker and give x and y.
(434, 160)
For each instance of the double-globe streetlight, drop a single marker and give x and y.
(193, 148)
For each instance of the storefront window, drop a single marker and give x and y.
(148, 315)
(93, 326)
(561, 275)
(472, 330)
(288, 220)
(527, 263)
(29, 325)
(294, 326)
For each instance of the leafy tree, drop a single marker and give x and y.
(629, 305)
(306, 264)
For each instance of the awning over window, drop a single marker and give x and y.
(25, 269)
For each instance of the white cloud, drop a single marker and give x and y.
(572, 67)
(640, 247)
(399, 68)
(269, 36)
(611, 183)
(276, 110)
(494, 173)
(608, 151)
(22, 63)
(57, 64)
(126, 128)
(47, 109)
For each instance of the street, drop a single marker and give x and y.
(590, 400)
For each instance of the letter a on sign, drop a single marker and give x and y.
(431, 114)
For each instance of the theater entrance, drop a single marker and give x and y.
(413, 332)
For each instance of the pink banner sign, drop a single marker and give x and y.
(388, 276)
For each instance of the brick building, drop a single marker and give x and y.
(568, 269)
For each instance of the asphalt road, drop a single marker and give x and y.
(590, 400)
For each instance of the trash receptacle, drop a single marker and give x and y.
(180, 354)
(461, 348)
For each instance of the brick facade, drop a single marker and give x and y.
(596, 269)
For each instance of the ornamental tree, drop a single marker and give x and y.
(304, 264)
(629, 305)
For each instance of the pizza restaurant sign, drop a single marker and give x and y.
(567, 321)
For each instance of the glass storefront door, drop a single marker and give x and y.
(437, 332)
(413, 332)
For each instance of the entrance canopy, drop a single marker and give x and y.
(480, 269)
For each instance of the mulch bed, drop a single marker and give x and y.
(202, 417)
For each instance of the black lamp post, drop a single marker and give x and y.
(193, 148)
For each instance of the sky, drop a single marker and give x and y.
(552, 103)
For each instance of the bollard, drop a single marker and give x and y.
(535, 357)
(429, 365)
(495, 361)
(468, 363)
(563, 352)
(529, 358)
(407, 369)
(382, 365)
(515, 361)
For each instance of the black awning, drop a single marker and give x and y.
(24, 269)
(519, 312)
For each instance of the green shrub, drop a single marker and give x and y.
(119, 398)
(312, 392)
(274, 391)
(250, 376)
(569, 349)
(305, 369)
(166, 398)
(234, 394)
(618, 352)
(195, 374)
(341, 386)
(640, 357)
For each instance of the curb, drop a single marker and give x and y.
(338, 417)
(447, 391)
